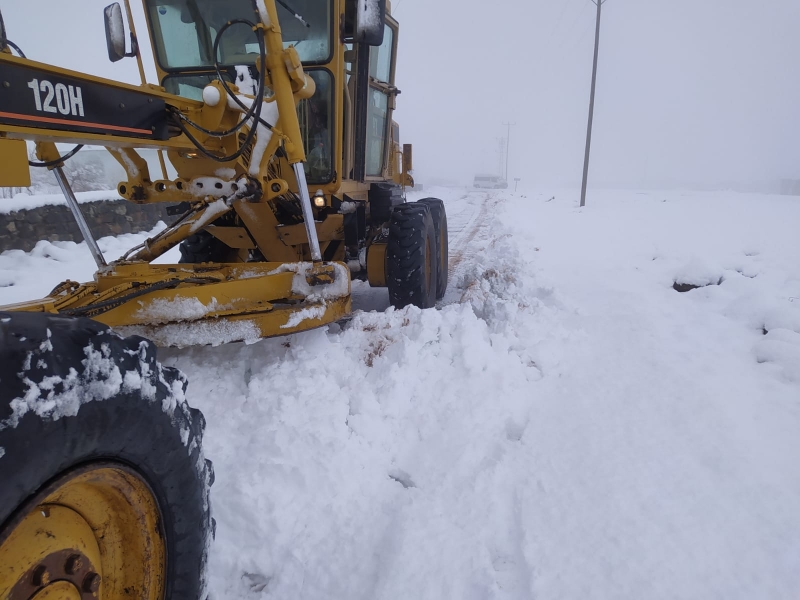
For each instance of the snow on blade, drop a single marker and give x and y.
(338, 289)
(304, 314)
(211, 332)
(165, 310)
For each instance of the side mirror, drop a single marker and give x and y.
(364, 21)
(115, 34)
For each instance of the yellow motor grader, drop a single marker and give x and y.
(276, 116)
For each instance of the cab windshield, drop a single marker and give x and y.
(184, 31)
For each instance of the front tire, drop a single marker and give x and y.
(104, 483)
(442, 241)
(412, 257)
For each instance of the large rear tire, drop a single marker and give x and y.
(442, 241)
(412, 257)
(104, 484)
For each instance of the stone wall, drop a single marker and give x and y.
(22, 229)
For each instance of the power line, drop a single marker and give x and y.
(599, 4)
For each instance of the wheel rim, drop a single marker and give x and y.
(95, 532)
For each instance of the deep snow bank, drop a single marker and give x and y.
(349, 459)
(567, 426)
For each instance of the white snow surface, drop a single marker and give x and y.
(563, 425)
(25, 201)
(31, 275)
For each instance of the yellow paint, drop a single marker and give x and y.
(14, 170)
(105, 513)
(376, 264)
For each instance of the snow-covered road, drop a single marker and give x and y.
(565, 425)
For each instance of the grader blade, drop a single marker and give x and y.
(187, 304)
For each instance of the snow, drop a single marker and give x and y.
(262, 12)
(214, 187)
(55, 397)
(370, 14)
(564, 424)
(25, 201)
(30, 275)
(130, 167)
(304, 314)
(245, 81)
(214, 332)
(300, 286)
(212, 211)
(270, 114)
(164, 310)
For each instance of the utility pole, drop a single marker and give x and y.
(508, 143)
(598, 3)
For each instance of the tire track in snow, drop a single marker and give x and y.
(464, 235)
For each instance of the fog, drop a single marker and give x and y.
(690, 93)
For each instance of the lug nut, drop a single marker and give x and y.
(40, 576)
(73, 564)
(91, 583)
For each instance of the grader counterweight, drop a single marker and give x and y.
(277, 117)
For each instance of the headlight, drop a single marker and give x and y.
(319, 201)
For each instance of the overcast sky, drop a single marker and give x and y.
(690, 92)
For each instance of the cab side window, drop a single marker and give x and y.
(380, 71)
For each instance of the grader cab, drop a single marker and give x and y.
(277, 116)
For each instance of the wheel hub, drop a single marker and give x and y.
(93, 533)
(64, 574)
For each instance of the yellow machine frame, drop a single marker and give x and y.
(293, 290)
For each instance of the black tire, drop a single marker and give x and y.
(439, 215)
(142, 422)
(411, 257)
(203, 247)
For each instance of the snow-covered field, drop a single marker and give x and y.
(565, 425)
